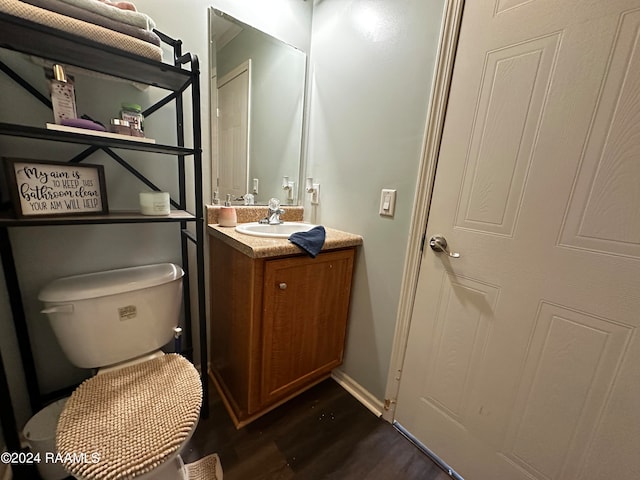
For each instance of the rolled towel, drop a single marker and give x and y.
(121, 5)
(310, 241)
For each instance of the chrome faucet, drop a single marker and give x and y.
(273, 215)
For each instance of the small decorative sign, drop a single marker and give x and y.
(43, 188)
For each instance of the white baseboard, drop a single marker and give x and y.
(358, 392)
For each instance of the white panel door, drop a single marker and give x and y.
(233, 126)
(523, 359)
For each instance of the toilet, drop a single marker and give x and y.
(133, 417)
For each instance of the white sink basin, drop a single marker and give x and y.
(282, 230)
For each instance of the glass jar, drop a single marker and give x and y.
(132, 113)
(120, 126)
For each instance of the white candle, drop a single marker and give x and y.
(154, 203)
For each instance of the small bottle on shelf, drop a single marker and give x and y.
(132, 113)
(63, 96)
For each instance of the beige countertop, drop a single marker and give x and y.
(262, 247)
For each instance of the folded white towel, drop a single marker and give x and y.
(129, 17)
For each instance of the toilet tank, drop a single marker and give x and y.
(108, 317)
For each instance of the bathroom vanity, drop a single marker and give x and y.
(278, 316)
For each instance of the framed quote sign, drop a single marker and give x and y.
(43, 188)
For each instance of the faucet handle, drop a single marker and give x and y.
(274, 212)
(274, 204)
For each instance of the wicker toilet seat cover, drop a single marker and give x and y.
(124, 423)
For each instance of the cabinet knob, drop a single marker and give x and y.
(283, 286)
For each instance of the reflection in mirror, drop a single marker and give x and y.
(258, 92)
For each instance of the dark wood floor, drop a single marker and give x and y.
(323, 434)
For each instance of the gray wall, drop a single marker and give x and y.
(372, 64)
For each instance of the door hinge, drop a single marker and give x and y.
(387, 403)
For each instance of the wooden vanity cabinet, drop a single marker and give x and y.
(278, 325)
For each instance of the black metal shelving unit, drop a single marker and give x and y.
(41, 41)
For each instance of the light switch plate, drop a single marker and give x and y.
(387, 202)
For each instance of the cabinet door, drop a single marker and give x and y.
(306, 304)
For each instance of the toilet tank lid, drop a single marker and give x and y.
(111, 282)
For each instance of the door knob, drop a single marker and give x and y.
(439, 244)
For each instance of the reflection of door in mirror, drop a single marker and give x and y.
(233, 128)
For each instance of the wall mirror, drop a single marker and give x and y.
(257, 110)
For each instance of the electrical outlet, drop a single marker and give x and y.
(315, 194)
